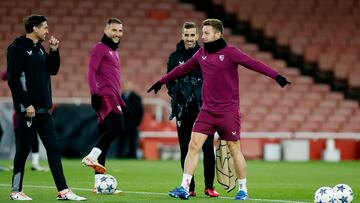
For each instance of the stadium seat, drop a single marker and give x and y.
(151, 33)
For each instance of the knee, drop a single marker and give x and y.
(22, 154)
(117, 131)
(194, 146)
(52, 148)
(234, 146)
(23, 148)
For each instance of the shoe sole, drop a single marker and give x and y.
(17, 199)
(20, 199)
(211, 195)
(173, 195)
(177, 196)
(97, 168)
(66, 199)
(246, 198)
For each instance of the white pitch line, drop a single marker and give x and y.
(153, 193)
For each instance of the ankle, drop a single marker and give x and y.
(64, 191)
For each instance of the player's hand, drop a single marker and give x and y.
(156, 87)
(96, 102)
(126, 111)
(281, 81)
(53, 43)
(30, 111)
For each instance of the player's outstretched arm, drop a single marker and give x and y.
(156, 87)
(281, 81)
(177, 72)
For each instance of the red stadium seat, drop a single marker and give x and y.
(324, 31)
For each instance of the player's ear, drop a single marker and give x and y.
(218, 35)
(106, 29)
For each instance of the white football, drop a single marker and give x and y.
(343, 193)
(324, 195)
(106, 184)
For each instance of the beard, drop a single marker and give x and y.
(116, 40)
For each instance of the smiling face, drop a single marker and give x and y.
(210, 34)
(114, 31)
(189, 36)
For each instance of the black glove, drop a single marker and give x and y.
(156, 87)
(126, 111)
(281, 81)
(96, 102)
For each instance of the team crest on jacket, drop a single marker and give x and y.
(203, 58)
(28, 123)
(221, 57)
(30, 52)
(181, 62)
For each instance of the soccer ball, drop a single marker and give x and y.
(343, 193)
(105, 184)
(324, 195)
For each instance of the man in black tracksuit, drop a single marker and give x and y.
(28, 72)
(186, 102)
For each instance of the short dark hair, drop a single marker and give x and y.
(215, 23)
(189, 25)
(33, 20)
(114, 20)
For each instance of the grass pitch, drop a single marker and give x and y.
(149, 181)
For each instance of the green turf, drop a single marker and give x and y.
(268, 181)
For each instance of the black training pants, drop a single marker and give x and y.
(43, 124)
(109, 130)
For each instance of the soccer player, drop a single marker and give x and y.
(104, 84)
(29, 68)
(185, 93)
(221, 106)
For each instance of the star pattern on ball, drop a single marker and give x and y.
(344, 199)
(340, 188)
(323, 191)
(109, 188)
(98, 188)
(103, 179)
